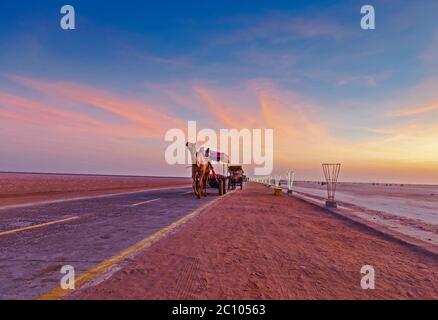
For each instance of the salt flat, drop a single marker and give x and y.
(409, 209)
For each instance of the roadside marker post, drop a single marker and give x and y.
(290, 181)
(277, 185)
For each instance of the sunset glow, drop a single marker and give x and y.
(99, 99)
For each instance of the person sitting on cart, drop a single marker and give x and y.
(207, 155)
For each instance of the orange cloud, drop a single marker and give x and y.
(23, 110)
(299, 137)
(37, 112)
(303, 136)
(223, 113)
(414, 111)
(151, 119)
(62, 127)
(36, 135)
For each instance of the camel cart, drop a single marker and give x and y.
(235, 177)
(217, 180)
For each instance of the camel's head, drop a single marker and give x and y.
(192, 148)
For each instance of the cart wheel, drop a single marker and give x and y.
(221, 183)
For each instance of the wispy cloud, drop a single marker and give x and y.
(418, 100)
(148, 58)
(414, 111)
(63, 127)
(301, 136)
(24, 111)
(304, 137)
(342, 78)
(280, 28)
(152, 120)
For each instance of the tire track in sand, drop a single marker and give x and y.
(189, 282)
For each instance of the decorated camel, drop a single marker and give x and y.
(200, 169)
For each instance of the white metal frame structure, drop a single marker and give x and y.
(331, 173)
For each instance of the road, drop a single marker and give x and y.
(36, 241)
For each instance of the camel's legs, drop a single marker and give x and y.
(205, 186)
(195, 176)
(200, 186)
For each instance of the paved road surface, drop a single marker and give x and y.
(36, 241)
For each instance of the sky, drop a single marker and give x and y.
(100, 98)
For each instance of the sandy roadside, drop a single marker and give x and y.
(252, 245)
(24, 188)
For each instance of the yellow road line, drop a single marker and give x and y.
(93, 272)
(143, 202)
(108, 195)
(38, 226)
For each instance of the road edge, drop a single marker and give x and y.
(43, 202)
(109, 266)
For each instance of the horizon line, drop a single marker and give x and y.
(188, 177)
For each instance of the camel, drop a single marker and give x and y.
(200, 170)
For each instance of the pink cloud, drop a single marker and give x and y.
(414, 111)
(37, 135)
(303, 136)
(152, 120)
(25, 111)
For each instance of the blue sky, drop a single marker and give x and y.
(343, 79)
